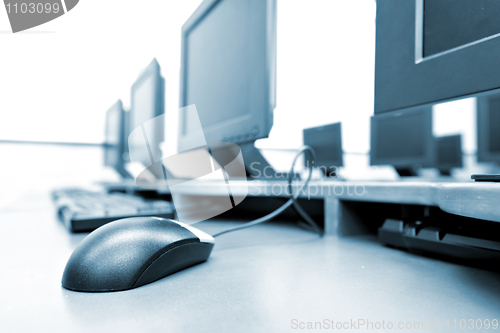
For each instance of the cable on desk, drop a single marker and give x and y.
(298, 208)
(290, 202)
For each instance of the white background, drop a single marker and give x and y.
(57, 81)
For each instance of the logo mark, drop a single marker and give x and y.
(201, 179)
(26, 14)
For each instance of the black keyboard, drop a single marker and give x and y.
(83, 210)
(472, 244)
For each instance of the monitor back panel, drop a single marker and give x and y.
(488, 125)
(449, 152)
(403, 139)
(327, 144)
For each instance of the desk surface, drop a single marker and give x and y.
(466, 198)
(258, 279)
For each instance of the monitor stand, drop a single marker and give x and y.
(332, 173)
(443, 172)
(257, 167)
(406, 172)
(124, 173)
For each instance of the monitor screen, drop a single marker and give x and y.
(216, 44)
(402, 139)
(449, 24)
(147, 102)
(327, 144)
(143, 102)
(228, 70)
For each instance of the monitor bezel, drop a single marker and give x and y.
(261, 121)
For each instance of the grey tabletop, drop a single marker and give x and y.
(271, 278)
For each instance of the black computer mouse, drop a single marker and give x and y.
(132, 252)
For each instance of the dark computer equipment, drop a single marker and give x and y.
(115, 138)
(228, 71)
(431, 51)
(132, 252)
(448, 153)
(147, 102)
(469, 245)
(488, 134)
(403, 140)
(488, 129)
(85, 210)
(327, 143)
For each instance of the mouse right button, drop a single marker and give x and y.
(176, 259)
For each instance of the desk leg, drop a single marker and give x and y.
(331, 215)
(342, 218)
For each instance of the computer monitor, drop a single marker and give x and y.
(228, 70)
(431, 51)
(403, 140)
(448, 153)
(114, 145)
(327, 144)
(488, 129)
(147, 102)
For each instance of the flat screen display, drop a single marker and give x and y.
(143, 105)
(494, 126)
(401, 137)
(448, 24)
(449, 151)
(114, 124)
(219, 63)
(327, 144)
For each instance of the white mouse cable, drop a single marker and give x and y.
(290, 202)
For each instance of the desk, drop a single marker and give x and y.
(257, 280)
(477, 200)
